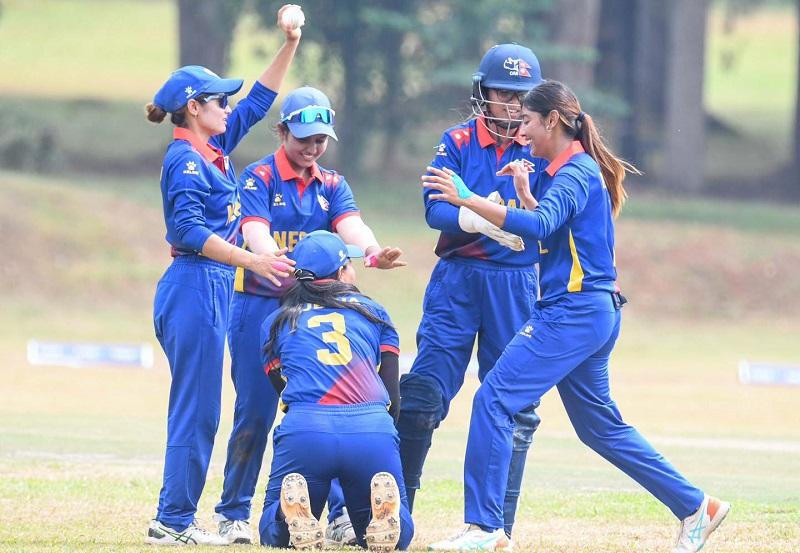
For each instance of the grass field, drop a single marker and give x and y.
(711, 282)
(81, 449)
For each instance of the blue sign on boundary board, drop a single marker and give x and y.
(768, 373)
(68, 354)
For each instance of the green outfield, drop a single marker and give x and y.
(81, 449)
(710, 283)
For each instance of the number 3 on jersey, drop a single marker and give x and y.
(335, 336)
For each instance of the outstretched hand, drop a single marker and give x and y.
(387, 258)
(449, 185)
(272, 265)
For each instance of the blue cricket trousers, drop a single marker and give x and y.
(255, 408)
(568, 345)
(190, 316)
(324, 442)
(464, 299)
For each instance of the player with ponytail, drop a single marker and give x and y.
(567, 343)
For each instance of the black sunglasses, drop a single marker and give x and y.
(221, 98)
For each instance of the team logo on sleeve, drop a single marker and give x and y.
(323, 203)
(250, 184)
(527, 331)
(278, 200)
(441, 149)
(191, 168)
(517, 67)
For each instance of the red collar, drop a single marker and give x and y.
(486, 138)
(210, 153)
(562, 158)
(286, 172)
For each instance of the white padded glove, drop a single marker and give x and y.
(469, 221)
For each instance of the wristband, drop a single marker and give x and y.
(371, 260)
(463, 191)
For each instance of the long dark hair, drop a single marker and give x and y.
(556, 96)
(325, 293)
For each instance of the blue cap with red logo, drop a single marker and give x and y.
(189, 82)
(509, 67)
(321, 253)
(307, 111)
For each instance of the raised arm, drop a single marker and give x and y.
(273, 75)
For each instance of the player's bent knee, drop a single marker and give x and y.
(525, 424)
(422, 404)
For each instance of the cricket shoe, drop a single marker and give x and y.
(383, 531)
(696, 528)
(233, 531)
(160, 534)
(473, 538)
(339, 532)
(304, 529)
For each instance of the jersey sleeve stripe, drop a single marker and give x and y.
(271, 365)
(390, 349)
(342, 217)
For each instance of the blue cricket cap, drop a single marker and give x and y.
(318, 111)
(322, 253)
(189, 82)
(509, 67)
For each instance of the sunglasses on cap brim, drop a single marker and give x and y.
(221, 98)
(310, 114)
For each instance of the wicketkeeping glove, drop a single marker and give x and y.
(469, 221)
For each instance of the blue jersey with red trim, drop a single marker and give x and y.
(271, 192)
(198, 181)
(333, 355)
(574, 225)
(472, 152)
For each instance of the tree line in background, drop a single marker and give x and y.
(392, 65)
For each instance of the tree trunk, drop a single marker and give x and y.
(205, 32)
(575, 33)
(685, 117)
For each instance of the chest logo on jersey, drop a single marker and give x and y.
(441, 149)
(250, 184)
(278, 200)
(323, 203)
(191, 168)
(527, 331)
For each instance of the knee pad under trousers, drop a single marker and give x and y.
(525, 424)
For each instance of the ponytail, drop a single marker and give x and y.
(555, 96)
(612, 168)
(155, 114)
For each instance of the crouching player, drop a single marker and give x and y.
(332, 355)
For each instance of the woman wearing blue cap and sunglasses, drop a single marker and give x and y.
(284, 196)
(201, 211)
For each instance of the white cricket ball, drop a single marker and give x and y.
(293, 17)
